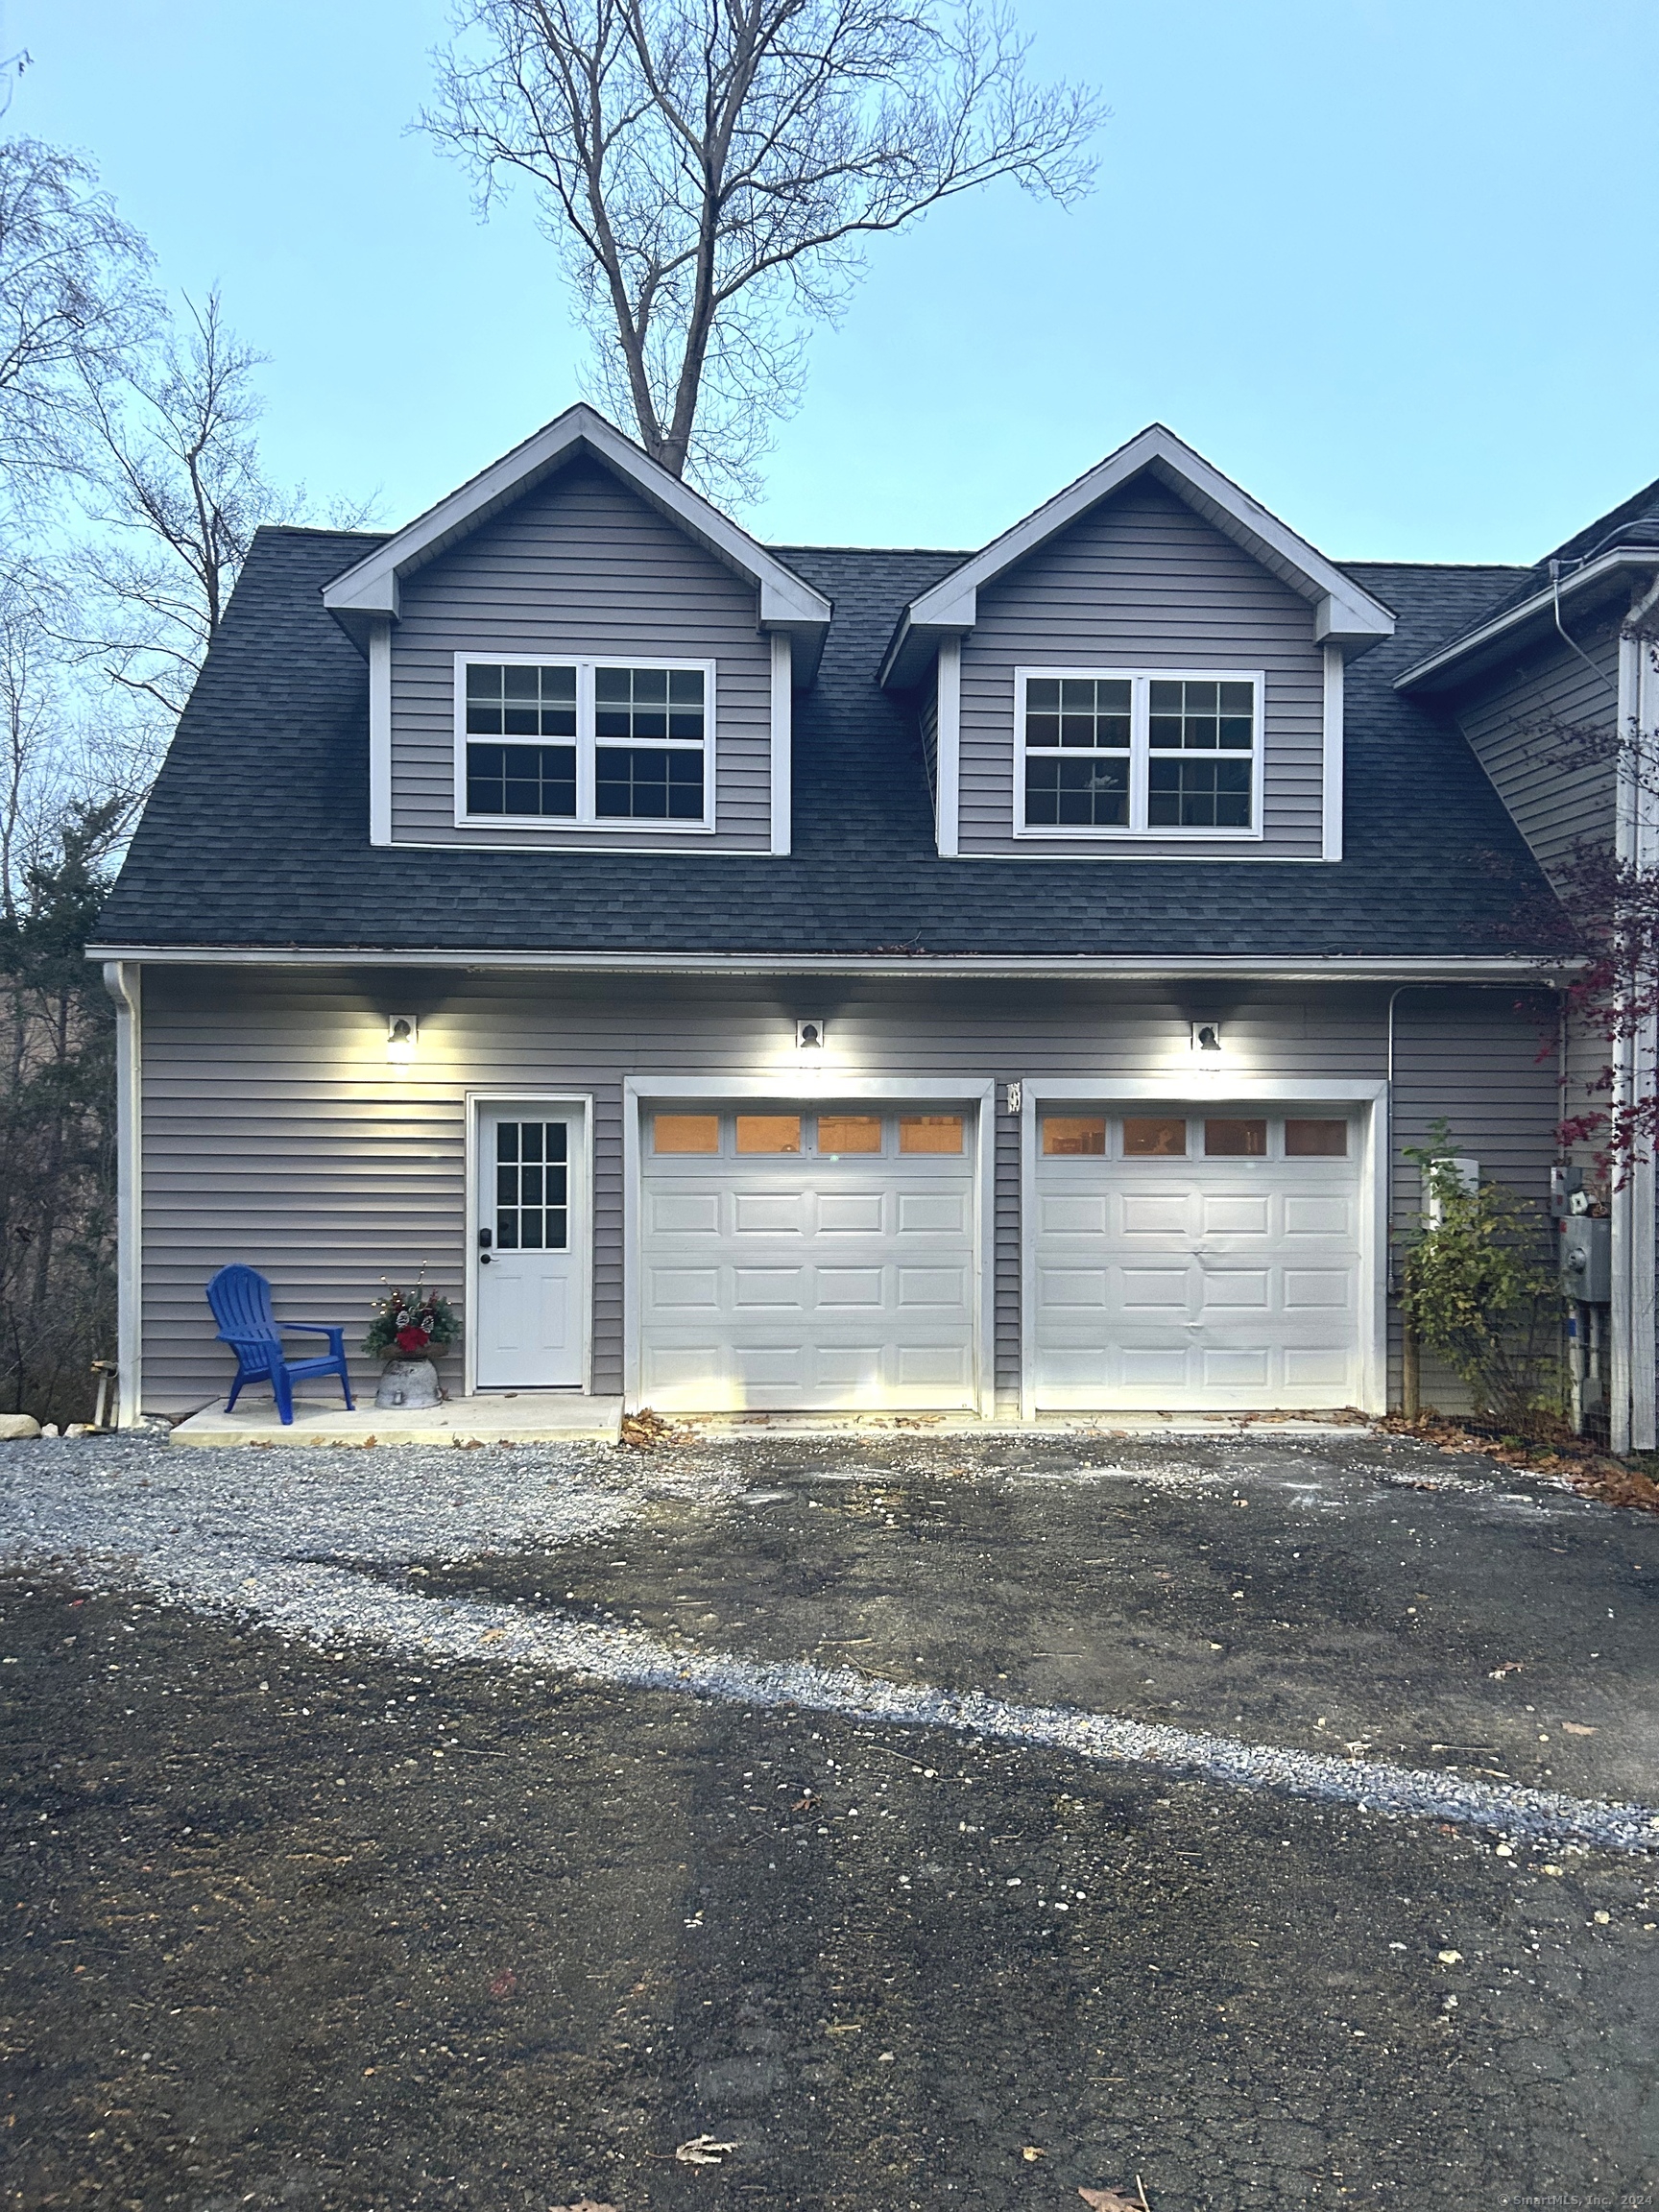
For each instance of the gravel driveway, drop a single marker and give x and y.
(935, 1820)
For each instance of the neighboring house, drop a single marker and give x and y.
(806, 977)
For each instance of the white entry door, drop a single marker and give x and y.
(1202, 1258)
(797, 1259)
(531, 1247)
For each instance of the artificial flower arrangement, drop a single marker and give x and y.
(411, 1325)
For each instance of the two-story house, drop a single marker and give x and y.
(803, 977)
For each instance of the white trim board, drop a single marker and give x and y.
(970, 967)
(1372, 1096)
(474, 1103)
(1333, 762)
(124, 983)
(782, 761)
(380, 734)
(639, 1091)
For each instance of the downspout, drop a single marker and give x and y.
(1633, 1418)
(121, 979)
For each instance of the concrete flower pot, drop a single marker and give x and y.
(408, 1384)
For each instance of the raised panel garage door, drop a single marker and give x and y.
(807, 1261)
(1201, 1260)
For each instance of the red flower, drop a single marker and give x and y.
(411, 1340)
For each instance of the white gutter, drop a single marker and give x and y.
(123, 982)
(1332, 968)
(1530, 610)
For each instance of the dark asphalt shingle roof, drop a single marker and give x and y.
(256, 834)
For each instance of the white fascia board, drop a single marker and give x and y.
(1344, 614)
(787, 601)
(1428, 675)
(970, 967)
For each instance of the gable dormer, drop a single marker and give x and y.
(1150, 666)
(575, 652)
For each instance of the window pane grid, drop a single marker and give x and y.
(532, 1186)
(1139, 753)
(656, 774)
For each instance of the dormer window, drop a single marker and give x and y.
(1138, 753)
(600, 744)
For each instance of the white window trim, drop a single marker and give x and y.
(1137, 829)
(584, 818)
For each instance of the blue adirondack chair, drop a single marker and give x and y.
(240, 1298)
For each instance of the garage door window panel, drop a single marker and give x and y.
(774, 1133)
(1306, 1139)
(1227, 1138)
(939, 1133)
(1154, 1137)
(849, 1135)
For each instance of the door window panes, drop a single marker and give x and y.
(839, 1134)
(685, 1132)
(930, 1132)
(768, 1132)
(1154, 1137)
(1073, 1136)
(1227, 1139)
(1315, 1140)
(532, 1186)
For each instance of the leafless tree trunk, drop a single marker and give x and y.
(709, 169)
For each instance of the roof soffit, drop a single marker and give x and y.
(1343, 612)
(369, 590)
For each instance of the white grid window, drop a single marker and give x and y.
(1138, 753)
(597, 744)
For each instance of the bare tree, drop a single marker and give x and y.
(710, 170)
(74, 306)
(176, 491)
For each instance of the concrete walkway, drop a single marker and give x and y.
(528, 1417)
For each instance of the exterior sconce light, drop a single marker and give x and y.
(402, 1034)
(809, 1036)
(1205, 1036)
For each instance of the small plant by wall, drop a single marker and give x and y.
(1479, 1290)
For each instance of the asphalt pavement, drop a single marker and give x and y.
(481, 1829)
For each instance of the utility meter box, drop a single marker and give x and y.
(1587, 1259)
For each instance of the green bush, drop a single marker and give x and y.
(1479, 1290)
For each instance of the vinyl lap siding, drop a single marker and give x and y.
(578, 566)
(275, 1131)
(1142, 581)
(1517, 731)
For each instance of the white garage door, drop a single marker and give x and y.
(1199, 1258)
(806, 1259)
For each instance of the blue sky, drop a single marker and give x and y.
(1384, 261)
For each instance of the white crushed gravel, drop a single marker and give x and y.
(285, 1537)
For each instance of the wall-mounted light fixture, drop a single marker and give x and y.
(809, 1036)
(1205, 1036)
(402, 1035)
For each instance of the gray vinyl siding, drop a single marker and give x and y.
(1516, 728)
(580, 567)
(1143, 582)
(276, 1133)
(1490, 1068)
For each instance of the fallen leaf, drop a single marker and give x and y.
(1509, 1666)
(1030, 2153)
(1449, 1957)
(504, 1984)
(1112, 2200)
(1575, 1728)
(582, 2204)
(703, 2151)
